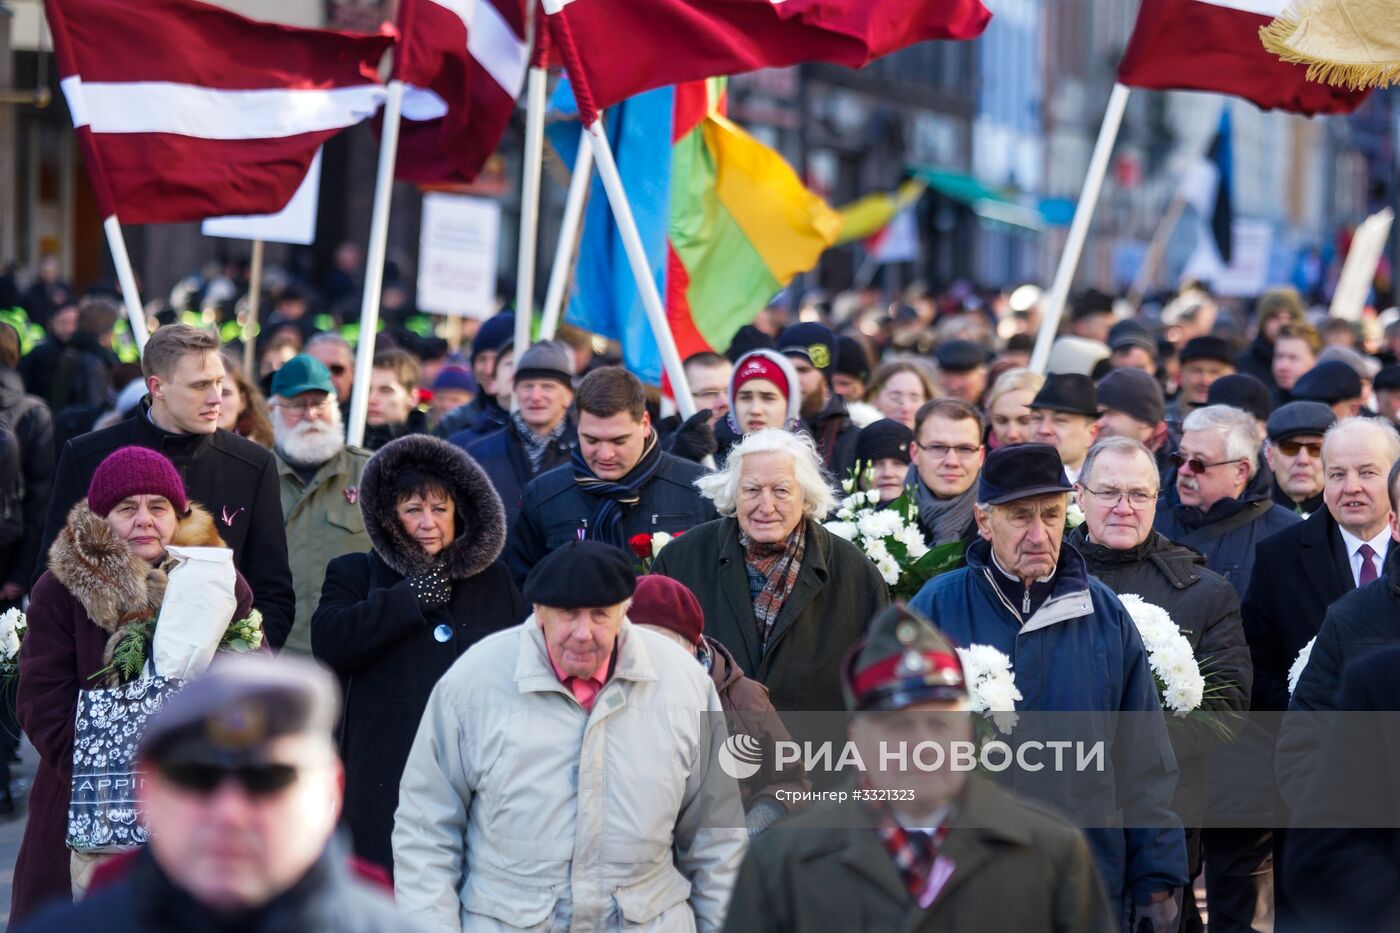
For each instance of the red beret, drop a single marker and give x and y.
(669, 604)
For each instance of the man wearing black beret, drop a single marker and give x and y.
(852, 369)
(1332, 383)
(962, 370)
(1387, 386)
(540, 750)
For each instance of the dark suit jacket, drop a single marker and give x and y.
(1298, 573)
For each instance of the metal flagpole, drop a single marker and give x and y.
(568, 236)
(529, 208)
(250, 326)
(1079, 228)
(135, 314)
(641, 269)
(374, 263)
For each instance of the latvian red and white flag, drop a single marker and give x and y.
(464, 62)
(1214, 45)
(186, 111)
(624, 47)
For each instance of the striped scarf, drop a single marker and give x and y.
(777, 565)
(606, 524)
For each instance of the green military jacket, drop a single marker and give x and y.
(323, 522)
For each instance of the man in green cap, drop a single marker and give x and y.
(942, 850)
(319, 478)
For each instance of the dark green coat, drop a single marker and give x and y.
(1015, 868)
(838, 591)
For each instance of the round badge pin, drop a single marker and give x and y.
(443, 633)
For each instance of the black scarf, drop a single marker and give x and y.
(606, 524)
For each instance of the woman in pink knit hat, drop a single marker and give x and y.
(106, 573)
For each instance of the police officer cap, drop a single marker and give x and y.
(901, 661)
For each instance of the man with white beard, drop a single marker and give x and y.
(320, 483)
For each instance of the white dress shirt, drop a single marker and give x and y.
(1380, 544)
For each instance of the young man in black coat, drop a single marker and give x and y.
(619, 483)
(235, 479)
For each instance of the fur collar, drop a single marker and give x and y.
(114, 585)
(481, 519)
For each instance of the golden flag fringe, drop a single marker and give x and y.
(1345, 43)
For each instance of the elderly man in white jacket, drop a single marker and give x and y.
(565, 774)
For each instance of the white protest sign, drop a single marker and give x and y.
(295, 223)
(1359, 270)
(457, 255)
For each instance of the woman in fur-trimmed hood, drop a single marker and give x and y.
(392, 621)
(106, 572)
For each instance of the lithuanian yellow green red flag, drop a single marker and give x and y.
(725, 220)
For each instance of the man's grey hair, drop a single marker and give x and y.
(1379, 428)
(324, 338)
(1239, 428)
(722, 486)
(1118, 445)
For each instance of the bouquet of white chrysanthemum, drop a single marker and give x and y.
(889, 535)
(1295, 673)
(991, 685)
(1180, 683)
(13, 625)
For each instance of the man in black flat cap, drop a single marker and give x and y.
(962, 370)
(811, 347)
(241, 789)
(1203, 360)
(566, 772)
(1030, 597)
(852, 375)
(961, 854)
(1065, 415)
(1332, 383)
(1244, 392)
(1293, 452)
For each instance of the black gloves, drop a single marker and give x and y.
(432, 588)
(695, 439)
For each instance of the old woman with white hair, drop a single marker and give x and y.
(783, 594)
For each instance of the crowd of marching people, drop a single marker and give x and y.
(539, 601)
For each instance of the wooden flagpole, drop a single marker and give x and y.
(250, 326)
(568, 236)
(135, 314)
(1079, 228)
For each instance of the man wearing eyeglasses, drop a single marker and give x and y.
(1221, 513)
(241, 789)
(1072, 646)
(319, 478)
(1294, 454)
(1117, 491)
(947, 456)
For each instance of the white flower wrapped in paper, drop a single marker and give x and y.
(991, 686)
(846, 530)
(1295, 673)
(12, 628)
(1180, 684)
(198, 606)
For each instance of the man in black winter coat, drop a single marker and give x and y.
(618, 484)
(235, 479)
(1347, 880)
(1356, 626)
(1117, 490)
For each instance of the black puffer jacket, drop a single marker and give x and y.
(1204, 606)
(30, 419)
(387, 649)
